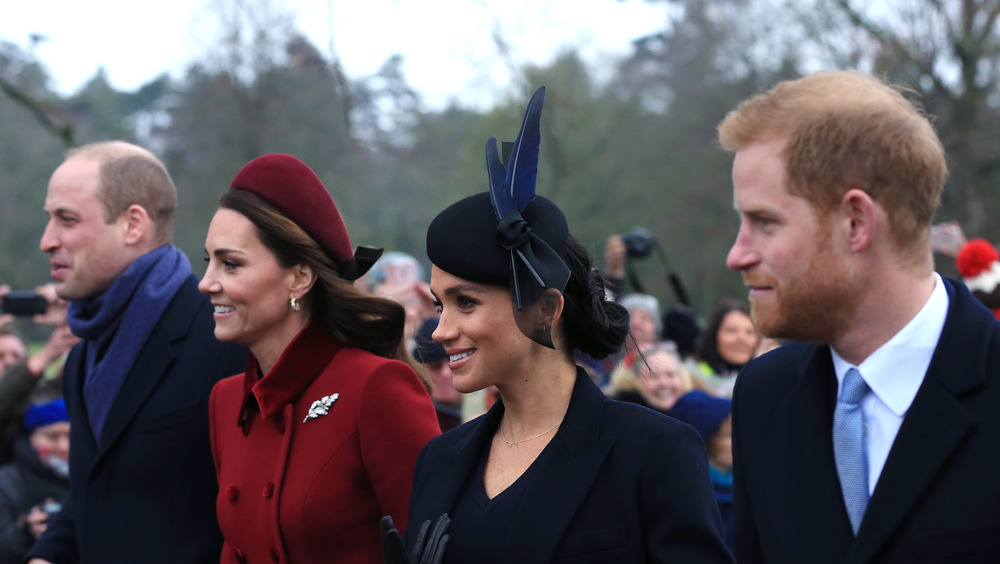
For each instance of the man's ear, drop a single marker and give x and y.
(861, 214)
(137, 224)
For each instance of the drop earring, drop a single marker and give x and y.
(294, 303)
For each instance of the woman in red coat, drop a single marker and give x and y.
(320, 435)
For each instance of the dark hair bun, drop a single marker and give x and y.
(593, 324)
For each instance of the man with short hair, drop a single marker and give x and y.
(143, 483)
(874, 438)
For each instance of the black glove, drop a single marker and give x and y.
(427, 550)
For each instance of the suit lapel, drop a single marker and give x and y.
(814, 483)
(569, 466)
(934, 426)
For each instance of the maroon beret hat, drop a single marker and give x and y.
(293, 188)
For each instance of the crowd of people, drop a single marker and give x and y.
(307, 400)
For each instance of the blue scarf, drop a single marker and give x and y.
(115, 325)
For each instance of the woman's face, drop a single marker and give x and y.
(660, 380)
(478, 332)
(737, 338)
(643, 327)
(250, 290)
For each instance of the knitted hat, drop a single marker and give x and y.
(42, 414)
(702, 411)
(975, 262)
(293, 188)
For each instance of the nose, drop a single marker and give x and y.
(48, 242)
(445, 332)
(741, 255)
(208, 284)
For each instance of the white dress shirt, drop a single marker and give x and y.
(894, 373)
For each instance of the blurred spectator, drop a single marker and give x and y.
(728, 342)
(12, 347)
(710, 416)
(18, 379)
(400, 277)
(681, 327)
(33, 485)
(654, 380)
(447, 400)
(644, 320)
(615, 254)
(978, 263)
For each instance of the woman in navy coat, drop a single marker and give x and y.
(555, 471)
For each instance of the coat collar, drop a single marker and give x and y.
(936, 423)
(302, 361)
(572, 460)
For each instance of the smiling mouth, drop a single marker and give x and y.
(460, 356)
(224, 309)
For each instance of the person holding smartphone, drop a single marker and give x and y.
(20, 374)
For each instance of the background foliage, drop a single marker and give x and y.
(635, 149)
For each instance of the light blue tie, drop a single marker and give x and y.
(849, 446)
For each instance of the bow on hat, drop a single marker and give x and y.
(534, 265)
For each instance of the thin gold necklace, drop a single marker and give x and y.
(515, 443)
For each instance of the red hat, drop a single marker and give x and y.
(975, 258)
(293, 188)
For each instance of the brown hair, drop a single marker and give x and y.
(843, 130)
(131, 175)
(354, 317)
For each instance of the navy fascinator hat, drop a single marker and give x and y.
(507, 236)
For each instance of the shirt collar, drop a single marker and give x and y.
(895, 370)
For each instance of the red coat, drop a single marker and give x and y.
(313, 491)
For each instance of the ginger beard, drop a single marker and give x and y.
(815, 305)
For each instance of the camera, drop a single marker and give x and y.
(23, 303)
(639, 242)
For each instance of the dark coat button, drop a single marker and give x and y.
(268, 490)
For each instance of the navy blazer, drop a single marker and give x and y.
(937, 499)
(147, 492)
(624, 484)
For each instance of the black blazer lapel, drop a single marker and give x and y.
(572, 461)
(934, 426)
(809, 427)
(453, 466)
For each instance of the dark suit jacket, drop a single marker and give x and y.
(147, 492)
(938, 497)
(625, 484)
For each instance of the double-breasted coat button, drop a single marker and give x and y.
(275, 557)
(232, 493)
(239, 555)
(268, 490)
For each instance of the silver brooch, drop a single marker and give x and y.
(321, 407)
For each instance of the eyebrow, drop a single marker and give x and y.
(221, 252)
(459, 289)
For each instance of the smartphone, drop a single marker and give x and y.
(23, 303)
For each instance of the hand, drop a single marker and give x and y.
(60, 342)
(38, 561)
(427, 550)
(37, 521)
(5, 318)
(55, 315)
(614, 257)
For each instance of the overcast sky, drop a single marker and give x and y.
(447, 45)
